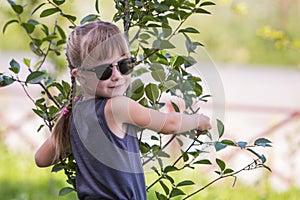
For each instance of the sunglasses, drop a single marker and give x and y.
(104, 71)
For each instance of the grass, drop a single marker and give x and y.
(20, 179)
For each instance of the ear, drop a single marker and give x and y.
(74, 72)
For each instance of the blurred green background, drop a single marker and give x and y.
(256, 33)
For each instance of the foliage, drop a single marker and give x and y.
(151, 28)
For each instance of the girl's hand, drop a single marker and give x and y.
(203, 123)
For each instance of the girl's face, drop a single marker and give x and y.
(115, 85)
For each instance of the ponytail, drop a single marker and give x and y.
(61, 131)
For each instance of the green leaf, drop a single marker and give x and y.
(165, 187)
(228, 171)
(263, 158)
(152, 92)
(220, 126)
(144, 36)
(70, 17)
(67, 88)
(28, 27)
(228, 142)
(14, 66)
(58, 167)
(162, 44)
(88, 18)
(65, 190)
(17, 8)
(35, 49)
(26, 62)
(170, 169)
(185, 157)
(8, 23)
(154, 137)
(160, 196)
(202, 11)
(162, 154)
(144, 147)
(178, 61)
(5, 80)
(221, 164)
(188, 30)
(219, 146)
(38, 7)
(176, 192)
(176, 108)
(156, 170)
(35, 77)
(185, 183)
(159, 75)
(40, 113)
(203, 162)
(61, 32)
(207, 3)
(59, 2)
(170, 179)
(49, 11)
(263, 142)
(169, 84)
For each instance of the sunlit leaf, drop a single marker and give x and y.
(152, 92)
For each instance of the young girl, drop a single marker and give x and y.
(99, 128)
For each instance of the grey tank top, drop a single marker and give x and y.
(108, 167)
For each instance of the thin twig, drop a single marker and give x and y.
(248, 167)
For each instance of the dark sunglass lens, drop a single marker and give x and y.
(104, 75)
(126, 66)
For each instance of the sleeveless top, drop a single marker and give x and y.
(108, 167)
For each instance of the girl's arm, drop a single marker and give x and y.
(126, 110)
(44, 157)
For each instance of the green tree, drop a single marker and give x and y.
(152, 27)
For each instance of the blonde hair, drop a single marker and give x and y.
(87, 45)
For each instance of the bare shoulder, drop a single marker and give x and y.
(120, 102)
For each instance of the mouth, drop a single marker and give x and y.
(115, 86)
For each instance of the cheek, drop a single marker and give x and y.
(127, 80)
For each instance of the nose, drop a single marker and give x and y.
(116, 74)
